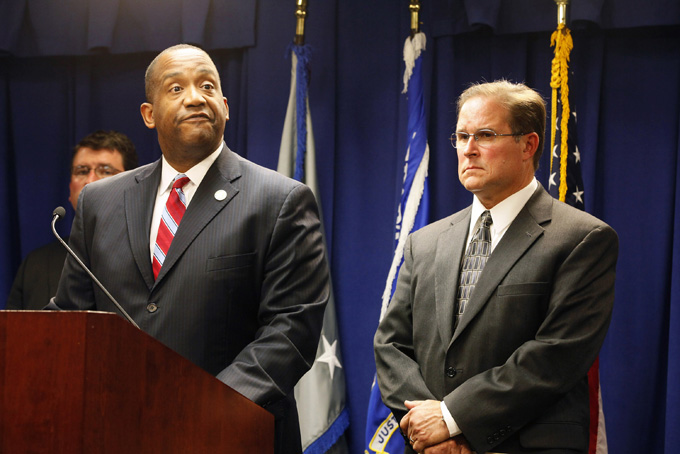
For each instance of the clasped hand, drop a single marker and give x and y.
(427, 431)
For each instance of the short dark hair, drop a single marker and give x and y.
(526, 108)
(150, 79)
(110, 140)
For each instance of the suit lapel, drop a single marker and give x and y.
(520, 236)
(450, 250)
(204, 206)
(139, 202)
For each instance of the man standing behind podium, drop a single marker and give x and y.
(520, 287)
(218, 258)
(98, 155)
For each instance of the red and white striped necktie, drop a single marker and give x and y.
(172, 215)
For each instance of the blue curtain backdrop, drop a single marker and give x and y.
(67, 68)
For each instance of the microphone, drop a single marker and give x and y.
(59, 213)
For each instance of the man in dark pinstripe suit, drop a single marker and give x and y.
(244, 284)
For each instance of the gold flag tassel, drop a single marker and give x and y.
(561, 40)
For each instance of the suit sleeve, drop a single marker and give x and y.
(294, 292)
(398, 372)
(75, 290)
(543, 370)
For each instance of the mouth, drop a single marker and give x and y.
(201, 116)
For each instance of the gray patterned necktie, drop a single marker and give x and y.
(477, 254)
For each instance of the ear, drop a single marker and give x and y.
(227, 107)
(531, 146)
(146, 110)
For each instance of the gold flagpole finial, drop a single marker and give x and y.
(562, 11)
(414, 7)
(301, 14)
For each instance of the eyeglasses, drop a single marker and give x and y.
(484, 137)
(102, 171)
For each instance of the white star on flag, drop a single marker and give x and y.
(329, 357)
(551, 181)
(578, 194)
(577, 154)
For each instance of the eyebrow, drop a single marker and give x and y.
(205, 70)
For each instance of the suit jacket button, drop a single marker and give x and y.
(151, 307)
(450, 372)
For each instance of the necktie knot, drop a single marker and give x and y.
(486, 219)
(179, 181)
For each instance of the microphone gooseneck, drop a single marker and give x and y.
(59, 213)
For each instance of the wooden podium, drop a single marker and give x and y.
(89, 382)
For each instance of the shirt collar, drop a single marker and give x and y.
(195, 174)
(504, 212)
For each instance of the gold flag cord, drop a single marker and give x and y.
(561, 40)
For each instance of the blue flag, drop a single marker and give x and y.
(320, 393)
(412, 214)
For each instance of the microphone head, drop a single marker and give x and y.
(59, 212)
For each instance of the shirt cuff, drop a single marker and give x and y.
(450, 423)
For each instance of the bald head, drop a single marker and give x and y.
(151, 80)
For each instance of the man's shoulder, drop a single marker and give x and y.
(47, 250)
(257, 170)
(122, 181)
(544, 207)
(265, 180)
(440, 225)
(564, 214)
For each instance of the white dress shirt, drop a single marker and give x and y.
(168, 174)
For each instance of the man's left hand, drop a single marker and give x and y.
(455, 445)
(424, 424)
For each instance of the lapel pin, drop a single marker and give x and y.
(221, 195)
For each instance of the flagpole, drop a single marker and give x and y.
(301, 14)
(562, 11)
(561, 39)
(414, 7)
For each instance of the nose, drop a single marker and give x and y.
(92, 176)
(471, 148)
(194, 96)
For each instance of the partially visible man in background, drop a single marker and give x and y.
(98, 155)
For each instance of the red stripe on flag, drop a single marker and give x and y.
(594, 393)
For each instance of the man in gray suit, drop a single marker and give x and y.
(500, 309)
(242, 287)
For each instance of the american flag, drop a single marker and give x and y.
(575, 191)
(574, 196)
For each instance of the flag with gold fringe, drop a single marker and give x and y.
(412, 214)
(320, 393)
(566, 184)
